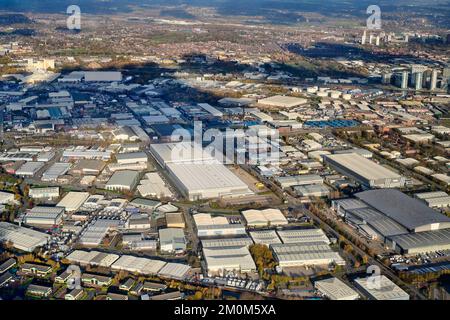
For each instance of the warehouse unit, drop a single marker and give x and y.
(263, 218)
(154, 186)
(197, 174)
(305, 254)
(22, 238)
(364, 171)
(88, 167)
(44, 216)
(56, 170)
(435, 199)
(280, 101)
(221, 260)
(132, 157)
(300, 180)
(206, 181)
(220, 230)
(44, 193)
(73, 201)
(420, 242)
(335, 289)
(381, 288)
(6, 197)
(227, 242)
(266, 237)
(172, 240)
(125, 180)
(303, 236)
(30, 168)
(411, 213)
(312, 190)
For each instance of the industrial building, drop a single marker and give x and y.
(300, 180)
(435, 199)
(22, 238)
(303, 236)
(125, 180)
(196, 174)
(364, 171)
(55, 170)
(263, 218)
(221, 260)
(266, 237)
(44, 193)
(30, 168)
(381, 288)
(102, 76)
(172, 240)
(154, 186)
(44, 216)
(73, 201)
(335, 289)
(227, 242)
(131, 158)
(403, 223)
(305, 254)
(312, 190)
(220, 230)
(282, 101)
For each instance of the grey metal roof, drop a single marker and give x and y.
(409, 212)
(378, 221)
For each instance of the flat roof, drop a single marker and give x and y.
(126, 178)
(424, 239)
(283, 101)
(362, 166)
(237, 257)
(336, 289)
(383, 289)
(266, 237)
(409, 212)
(305, 253)
(303, 235)
(221, 243)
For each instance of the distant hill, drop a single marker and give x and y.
(8, 19)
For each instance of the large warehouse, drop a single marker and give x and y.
(44, 216)
(125, 180)
(405, 224)
(282, 101)
(364, 171)
(197, 176)
(220, 260)
(264, 218)
(73, 200)
(381, 288)
(22, 238)
(305, 254)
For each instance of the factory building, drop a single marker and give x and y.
(282, 101)
(132, 157)
(291, 181)
(264, 218)
(172, 240)
(44, 193)
(403, 223)
(44, 216)
(6, 197)
(381, 288)
(56, 170)
(73, 201)
(29, 169)
(221, 260)
(305, 254)
(364, 171)
(227, 242)
(22, 238)
(266, 237)
(125, 180)
(335, 289)
(303, 236)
